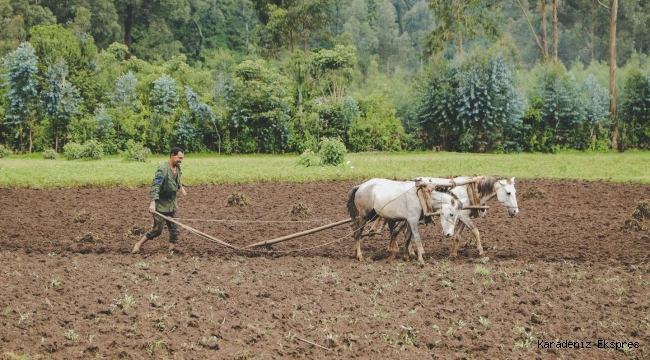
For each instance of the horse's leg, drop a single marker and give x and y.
(413, 226)
(395, 230)
(457, 233)
(358, 232)
(408, 245)
(479, 247)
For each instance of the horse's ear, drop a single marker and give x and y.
(512, 180)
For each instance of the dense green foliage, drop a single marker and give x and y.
(270, 76)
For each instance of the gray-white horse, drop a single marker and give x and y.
(488, 187)
(397, 201)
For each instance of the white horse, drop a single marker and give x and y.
(488, 187)
(397, 201)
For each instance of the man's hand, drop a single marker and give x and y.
(183, 191)
(152, 207)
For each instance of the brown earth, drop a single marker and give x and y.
(564, 269)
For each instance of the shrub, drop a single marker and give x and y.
(331, 151)
(50, 154)
(4, 151)
(135, 151)
(309, 158)
(92, 149)
(73, 151)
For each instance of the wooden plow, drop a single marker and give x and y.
(439, 182)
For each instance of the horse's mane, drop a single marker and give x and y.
(486, 186)
(446, 190)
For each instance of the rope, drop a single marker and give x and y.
(255, 221)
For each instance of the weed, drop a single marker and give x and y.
(56, 284)
(483, 321)
(70, 335)
(24, 316)
(210, 342)
(289, 336)
(155, 346)
(526, 336)
(446, 283)
(221, 293)
(160, 323)
(409, 334)
(451, 331)
(484, 260)
(128, 301)
(482, 270)
(82, 216)
(153, 297)
(238, 199)
(91, 338)
(143, 265)
(627, 350)
(299, 210)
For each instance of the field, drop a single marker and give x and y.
(564, 269)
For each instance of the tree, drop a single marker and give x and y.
(461, 20)
(543, 46)
(291, 20)
(22, 97)
(259, 120)
(124, 99)
(61, 99)
(471, 104)
(333, 70)
(387, 33)
(164, 100)
(612, 72)
(418, 23)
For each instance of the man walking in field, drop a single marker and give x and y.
(162, 194)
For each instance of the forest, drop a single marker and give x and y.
(283, 76)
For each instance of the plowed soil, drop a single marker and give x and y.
(565, 271)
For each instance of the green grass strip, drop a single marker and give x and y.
(32, 172)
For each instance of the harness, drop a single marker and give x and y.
(474, 198)
(424, 191)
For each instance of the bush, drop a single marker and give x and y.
(50, 154)
(4, 151)
(135, 151)
(331, 151)
(92, 149)
(73, 151)
(308, 158)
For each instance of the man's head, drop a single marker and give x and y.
(176, 156)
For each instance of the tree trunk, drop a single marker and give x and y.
(398, 8)
(460, 45)
(128, 26)
(544, 37)
(198, 51)
(555, 34)
(30, 139)
(612, 72)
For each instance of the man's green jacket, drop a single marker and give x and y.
(164, 187)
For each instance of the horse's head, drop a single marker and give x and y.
(449, 209)
(507, 195)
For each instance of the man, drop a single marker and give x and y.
(163, 199)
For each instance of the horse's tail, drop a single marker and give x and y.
(352, 207)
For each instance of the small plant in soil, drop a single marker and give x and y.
(82, 216)
(299, 210)
(56, 284)
(238, 199)
(143, 265)
(627, 350)
(482, 270)
(483, 321)
(25, 316)
(534, 193)
(70, 335)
